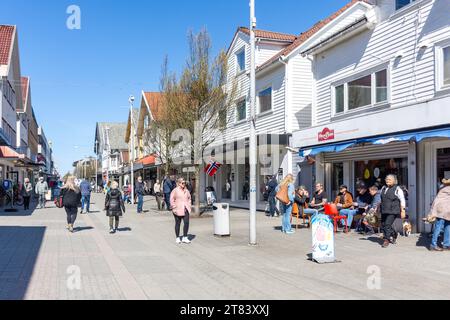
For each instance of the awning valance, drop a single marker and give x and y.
(414, 136)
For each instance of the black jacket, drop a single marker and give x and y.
(71, 199)
(114, 204)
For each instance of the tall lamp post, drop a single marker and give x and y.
(253, 146)
(131, 100)
(96, 165)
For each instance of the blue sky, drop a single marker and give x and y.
(80, 77)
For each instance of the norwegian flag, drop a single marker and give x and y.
(212, 167)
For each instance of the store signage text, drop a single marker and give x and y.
(326, 135)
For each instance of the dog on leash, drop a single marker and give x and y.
(407, 228)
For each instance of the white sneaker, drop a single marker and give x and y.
(178, 241)
(186, 240)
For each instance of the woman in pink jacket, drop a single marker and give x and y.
(180, 203)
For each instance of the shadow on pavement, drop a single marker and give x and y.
(124, 229)
(425, 240)
(19, 248)
(20, 211)
(191, 237)
(374, 239)
(81, 229)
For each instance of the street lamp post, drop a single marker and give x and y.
(131, 100)
(253, 146)
(96, 165)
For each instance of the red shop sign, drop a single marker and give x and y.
(326, 135)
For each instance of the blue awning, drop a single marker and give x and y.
(415, 136)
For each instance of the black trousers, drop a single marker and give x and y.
(178, 225)
(387, 221)
(26, 202)
(71, 214)
(111, 222)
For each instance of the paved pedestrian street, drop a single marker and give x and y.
(40, 259)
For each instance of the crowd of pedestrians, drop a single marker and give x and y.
(375, 207)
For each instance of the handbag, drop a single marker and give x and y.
(59, 202)
(282, 195)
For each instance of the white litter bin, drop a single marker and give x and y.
(221, 212)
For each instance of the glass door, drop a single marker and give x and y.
(442, 165)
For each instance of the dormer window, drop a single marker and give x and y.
(402, 3)
(240, 59)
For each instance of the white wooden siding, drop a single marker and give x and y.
(265, 51)
(300, 92)
(412, 77)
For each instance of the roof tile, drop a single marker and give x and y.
(6, 39)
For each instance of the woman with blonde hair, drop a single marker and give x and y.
(287, 187)
(71, 196)
(114, 207)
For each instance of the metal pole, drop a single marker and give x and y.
(253, 146)
(96, 166)
(132, 151)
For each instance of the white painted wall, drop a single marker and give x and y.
(412, 77)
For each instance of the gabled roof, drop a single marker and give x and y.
(6, 43)
(116, 135)
(154, 102)
(134, 118)
(309, 33)
(269, 35)
(265, 35)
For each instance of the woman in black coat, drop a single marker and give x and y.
(114, 207)
(71, 196)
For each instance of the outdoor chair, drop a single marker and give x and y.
(332, 211)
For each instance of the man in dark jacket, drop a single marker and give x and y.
(140, 190)
(86, 190)
(272, 192)
(169, 185)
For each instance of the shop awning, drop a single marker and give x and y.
(414, 136)
(10, 154)
(148, 161)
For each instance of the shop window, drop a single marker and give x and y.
(402, 3)
(381, 86)
(241, 110)
(240, 58)
(446, 65)
(366, 91)
(339, 99)
(265, 100)
(338, 179)
(443, 164)
(374, 172)
(359, 93)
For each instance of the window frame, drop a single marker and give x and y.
(236, 120)
(259, 103)
(406, 5)
(439, 56)
(238, 66)
(374, 104)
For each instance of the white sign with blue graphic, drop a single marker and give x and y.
(322, 239)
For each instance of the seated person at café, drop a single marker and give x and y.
(302, 201)
(363, 200)
(372, 209)
(320, 198)
(345, 205)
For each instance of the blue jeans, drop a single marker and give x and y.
(140, 203)
(286, 222)
(439, 225)
(167, 200)
(85, 200)
(350, 214)
(310, 212)
(272, 205)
